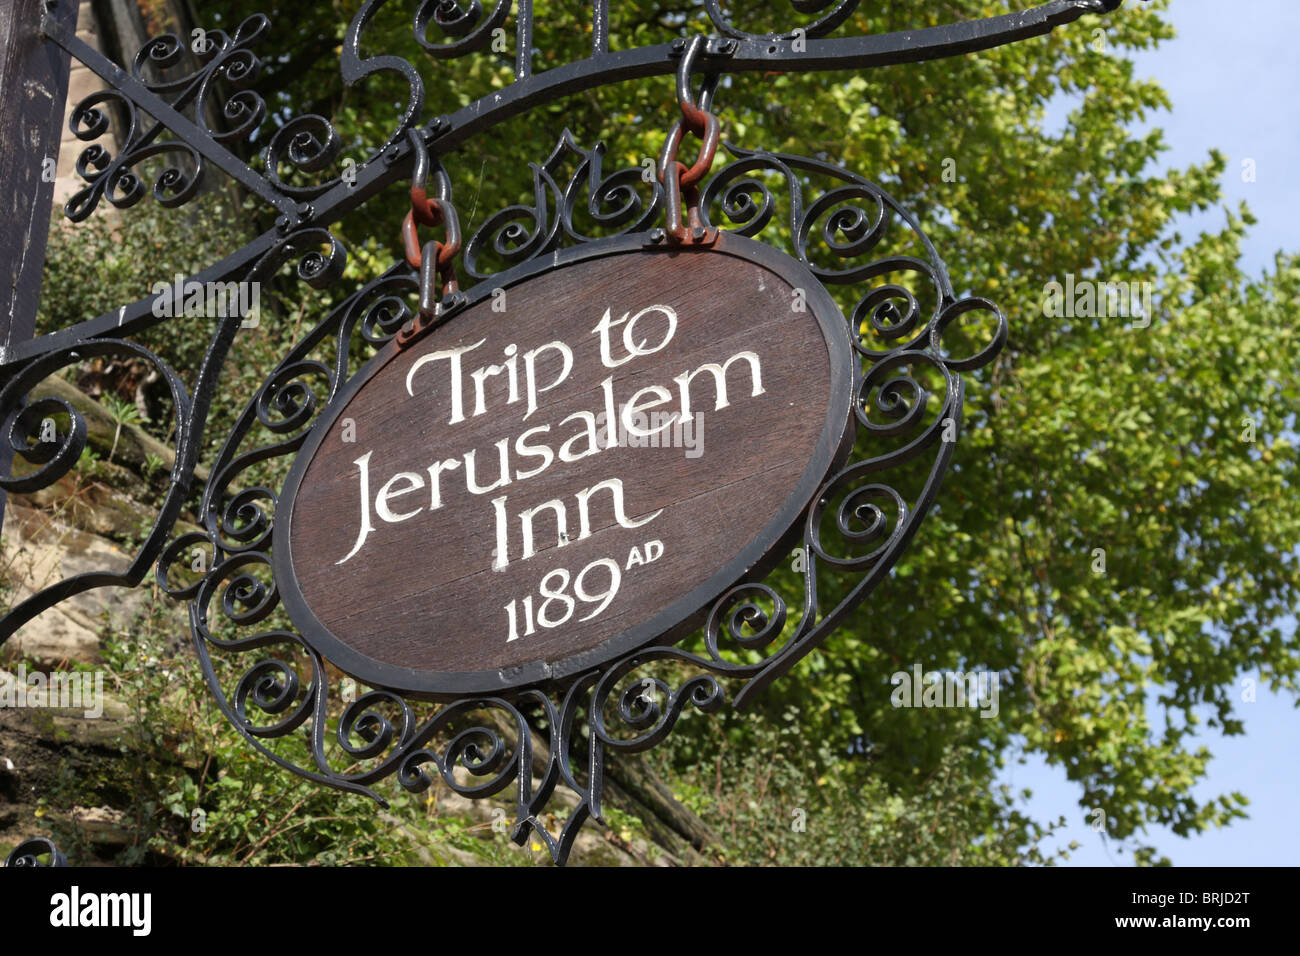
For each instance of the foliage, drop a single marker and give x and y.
(777, 798)
(195, 794)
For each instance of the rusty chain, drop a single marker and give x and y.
(435, 260)
(681, 182)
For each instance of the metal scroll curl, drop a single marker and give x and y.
(111, 177)
(223, 62)
(220, 85)
(905, 322)
(49, 436)
(37, 852)
(588, 206)
(36, 434)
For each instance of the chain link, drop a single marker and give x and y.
(681, 182)
(435, 260)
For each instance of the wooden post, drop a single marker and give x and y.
(33, 87)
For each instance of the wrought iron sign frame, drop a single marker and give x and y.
(382, 731)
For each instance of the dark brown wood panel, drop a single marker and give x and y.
(424, 592)
(33, 88)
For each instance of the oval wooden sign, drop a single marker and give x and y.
(572, 467)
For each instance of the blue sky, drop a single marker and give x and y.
(1233, 77)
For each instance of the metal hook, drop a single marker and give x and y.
(420, 171)
(434, 260)
(707, 88)
(695, 110)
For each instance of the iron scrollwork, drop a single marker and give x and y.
(859, 523)
(904, 316)
(29, 854)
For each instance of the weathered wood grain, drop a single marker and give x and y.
(422, 593)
